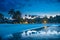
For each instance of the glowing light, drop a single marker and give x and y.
(45, 22)
(45, 27)
(26, 22)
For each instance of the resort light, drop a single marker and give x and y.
(45, 27)
(45, 22)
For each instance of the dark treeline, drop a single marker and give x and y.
(17, 18)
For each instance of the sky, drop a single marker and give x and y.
(33, 7)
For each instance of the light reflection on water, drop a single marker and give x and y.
(35, 35)
(49, 32)
(40, 33)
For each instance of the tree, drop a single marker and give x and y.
(15, 15)
(51, 20)
(29, 15)
(32, 16)
(25, 15)
(57, 19)
(45, 19)
(1, 16)
(37, 20)
(11, 12)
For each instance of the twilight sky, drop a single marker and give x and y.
(34, 7)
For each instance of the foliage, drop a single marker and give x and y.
(17, 18)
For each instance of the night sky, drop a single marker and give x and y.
(33, 7)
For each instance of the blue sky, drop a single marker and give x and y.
(36, 7)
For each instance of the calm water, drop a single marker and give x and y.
(6, 29)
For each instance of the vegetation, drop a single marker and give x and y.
(17, 18)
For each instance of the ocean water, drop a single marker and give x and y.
(8, 29)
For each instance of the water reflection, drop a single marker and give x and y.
(45, 32)
(37, 34)
(41, 33)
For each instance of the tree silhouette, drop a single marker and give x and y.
(15, 15)
(29, 15)
(50, 19)
(1, 16)
(25, 15)
(11, 12)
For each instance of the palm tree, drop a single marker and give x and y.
(11, 12)
(25, 15)
(29, 15)
(51, 20)
(17, 14)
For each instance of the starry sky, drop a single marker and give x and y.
(33, 7)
